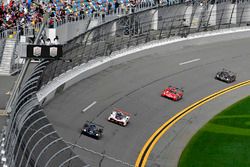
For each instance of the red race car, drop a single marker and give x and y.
(173, 93)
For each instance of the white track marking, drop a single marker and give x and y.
(91, 105)
(190, 61)
(100, 154)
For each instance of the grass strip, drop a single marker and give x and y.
(223, 142)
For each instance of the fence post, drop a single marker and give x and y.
(162, 28)
(231, 16)
(210, 13)
(191, 18)
(86, 41)
(146, 40)
(221, 17)
(241, 15)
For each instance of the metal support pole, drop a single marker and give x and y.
(241, 15)
(230, 21)
(221, 17)
(23, 71)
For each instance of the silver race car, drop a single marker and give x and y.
(119, 117)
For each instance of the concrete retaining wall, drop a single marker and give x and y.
(70, 30)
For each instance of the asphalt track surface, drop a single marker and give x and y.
(135, 87)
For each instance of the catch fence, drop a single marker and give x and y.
(144, 26)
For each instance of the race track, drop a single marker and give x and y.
(136, 86)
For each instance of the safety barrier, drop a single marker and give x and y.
(30, 139)
(145, 26)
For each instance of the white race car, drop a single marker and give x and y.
(119, 117)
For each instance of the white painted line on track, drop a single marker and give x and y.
(100, 154)
(190, 61)
(91, 105)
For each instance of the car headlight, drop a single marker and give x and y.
(97, 134)
(84, 130)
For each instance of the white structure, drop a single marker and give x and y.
(8, 55)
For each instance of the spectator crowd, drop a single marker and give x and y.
(30, 12)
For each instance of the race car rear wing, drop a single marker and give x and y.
(230, 72)
(124, 112)
(181, 89)
(99, 126)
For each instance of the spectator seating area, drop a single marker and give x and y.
(18, 14)
(30, 13)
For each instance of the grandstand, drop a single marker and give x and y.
(27, 24)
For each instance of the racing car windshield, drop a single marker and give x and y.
(119, 115)
(93, 127)
(174, 91)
